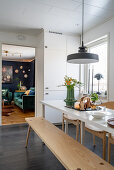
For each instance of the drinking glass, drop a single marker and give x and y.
(104, 108)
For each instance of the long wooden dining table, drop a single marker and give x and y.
(83, 116)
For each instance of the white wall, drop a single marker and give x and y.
(14, 38)
(99, 31)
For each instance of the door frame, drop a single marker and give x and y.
(16, 44)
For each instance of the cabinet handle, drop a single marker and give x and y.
(46, 93)
(47, 88)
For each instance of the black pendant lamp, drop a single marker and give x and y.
(82, 57)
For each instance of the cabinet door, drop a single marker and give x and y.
(54, 41)
(72, 47)
(51, 114)
(54, 69)
(73, 70)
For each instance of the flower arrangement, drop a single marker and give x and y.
(70, 82)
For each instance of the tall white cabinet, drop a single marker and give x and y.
(56, 49)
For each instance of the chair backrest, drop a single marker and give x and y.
(109, 105)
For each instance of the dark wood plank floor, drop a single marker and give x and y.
(14, 156)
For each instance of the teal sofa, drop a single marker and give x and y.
(7, 95)
(25, 102)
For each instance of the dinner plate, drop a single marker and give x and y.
(98, 115)
(111, 122)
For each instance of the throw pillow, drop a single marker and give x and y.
(27, 92)
(32, 92)
(4, 92)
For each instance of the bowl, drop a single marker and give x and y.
(98, 115)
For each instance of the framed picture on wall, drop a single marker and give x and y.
(7, 74)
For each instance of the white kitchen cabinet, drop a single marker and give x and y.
(54, 115)
(54, 61)
(51, 114)
(56, 49)
(72, 47)
(54, 69)
(73, 70)
(55, 41)
(72, 44)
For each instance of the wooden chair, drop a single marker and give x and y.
(109, 105)
(110, 141)
(69, 119)
(97, 132)
(90, 128)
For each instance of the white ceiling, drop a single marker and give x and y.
(54, 15)
(17, 52)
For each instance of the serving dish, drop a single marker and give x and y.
(98, 115)
(87, 109)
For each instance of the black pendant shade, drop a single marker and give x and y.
(82, 57)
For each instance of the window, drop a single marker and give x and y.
(97, 72)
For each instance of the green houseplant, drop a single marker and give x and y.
(19, 83)
(94, 97)
(70, 83)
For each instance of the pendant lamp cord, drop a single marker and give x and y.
(82, 21)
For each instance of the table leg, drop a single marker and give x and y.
(82, 132)
(28, 133)
(43, 110)
(66, 127)
(3, 103)
(43, 114)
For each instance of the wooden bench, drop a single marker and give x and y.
(69, 152)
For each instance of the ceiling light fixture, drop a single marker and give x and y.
(25, 76)
(82, 57)
(16, 71)
(21, 67)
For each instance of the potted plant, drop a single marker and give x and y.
(70, 83)
(94, 97)
(19, 83)
(98, 77)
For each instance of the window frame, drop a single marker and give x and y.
(94, 43)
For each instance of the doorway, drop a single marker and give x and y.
(18, 83)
